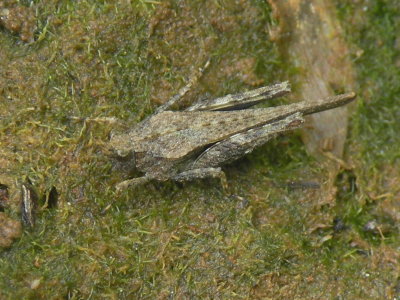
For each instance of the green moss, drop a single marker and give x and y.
(102, 59)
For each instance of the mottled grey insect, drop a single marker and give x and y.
(195, 143)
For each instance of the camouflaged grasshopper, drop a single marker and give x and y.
(195, 143)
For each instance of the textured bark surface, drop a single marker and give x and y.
(310, 37)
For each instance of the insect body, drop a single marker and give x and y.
(191, 144)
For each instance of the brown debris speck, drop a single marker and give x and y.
(4, 196)
(29, 200)
(18, 19)
(9, 230)
(244, 69)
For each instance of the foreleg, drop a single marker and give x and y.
(132, 183)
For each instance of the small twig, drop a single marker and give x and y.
(110, 120)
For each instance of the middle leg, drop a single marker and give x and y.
(203, 173)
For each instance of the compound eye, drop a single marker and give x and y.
(119, 146)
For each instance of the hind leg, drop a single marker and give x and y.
(182, 92)
(240, 144)
(242, 100)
